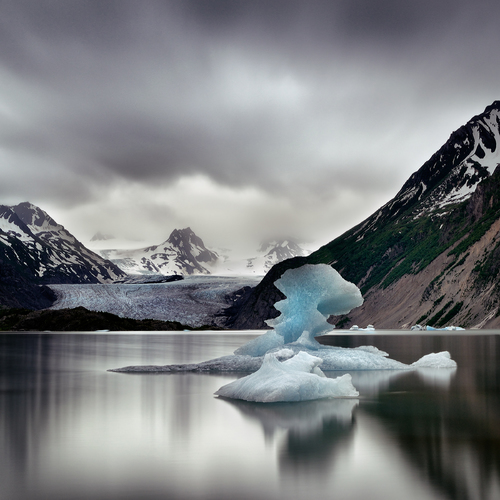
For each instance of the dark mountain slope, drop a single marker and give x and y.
(430, 254)
(36, 251)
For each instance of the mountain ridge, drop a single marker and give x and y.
(185, 253)
(447, 210)
(35, 252)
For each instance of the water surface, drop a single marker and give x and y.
(70, 429)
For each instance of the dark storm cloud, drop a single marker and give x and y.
(300, 99)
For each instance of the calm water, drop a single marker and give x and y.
(71, 430)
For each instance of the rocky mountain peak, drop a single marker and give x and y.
(184, 237)
(191, 247)
(34, 217)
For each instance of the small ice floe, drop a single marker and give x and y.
(357, 328)
(451, 328)
(435, 360)
(296, 379)
(428, 328)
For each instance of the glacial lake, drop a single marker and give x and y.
(69, 429)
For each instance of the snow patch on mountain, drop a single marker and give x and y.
(480, 163)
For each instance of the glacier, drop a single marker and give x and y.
(196, 300)
(285, 362)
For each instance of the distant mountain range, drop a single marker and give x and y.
(185, 253)
(431, 255)
(36, 251)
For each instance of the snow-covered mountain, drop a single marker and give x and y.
(272, 252)
(185, 253)
(45, 252)
(182, 253)
(266, 256)
(431, 254)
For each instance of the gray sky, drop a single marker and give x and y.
(243, 119)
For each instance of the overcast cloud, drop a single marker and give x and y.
(243, 119)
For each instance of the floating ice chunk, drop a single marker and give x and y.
(334, 358)
(284, 354)
(435, 360)
(313, 292)
(261, 344)
(431, 328)
(297, 379)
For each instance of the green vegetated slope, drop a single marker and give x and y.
(431, 255)
(458, 234)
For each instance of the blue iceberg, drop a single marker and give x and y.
(285, 362)
(313, 293)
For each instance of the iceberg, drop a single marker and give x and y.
(313, 293)
(284, 363)
(333, 359)
(298, 378)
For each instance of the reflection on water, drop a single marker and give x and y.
(70, 429)
(310, 431)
